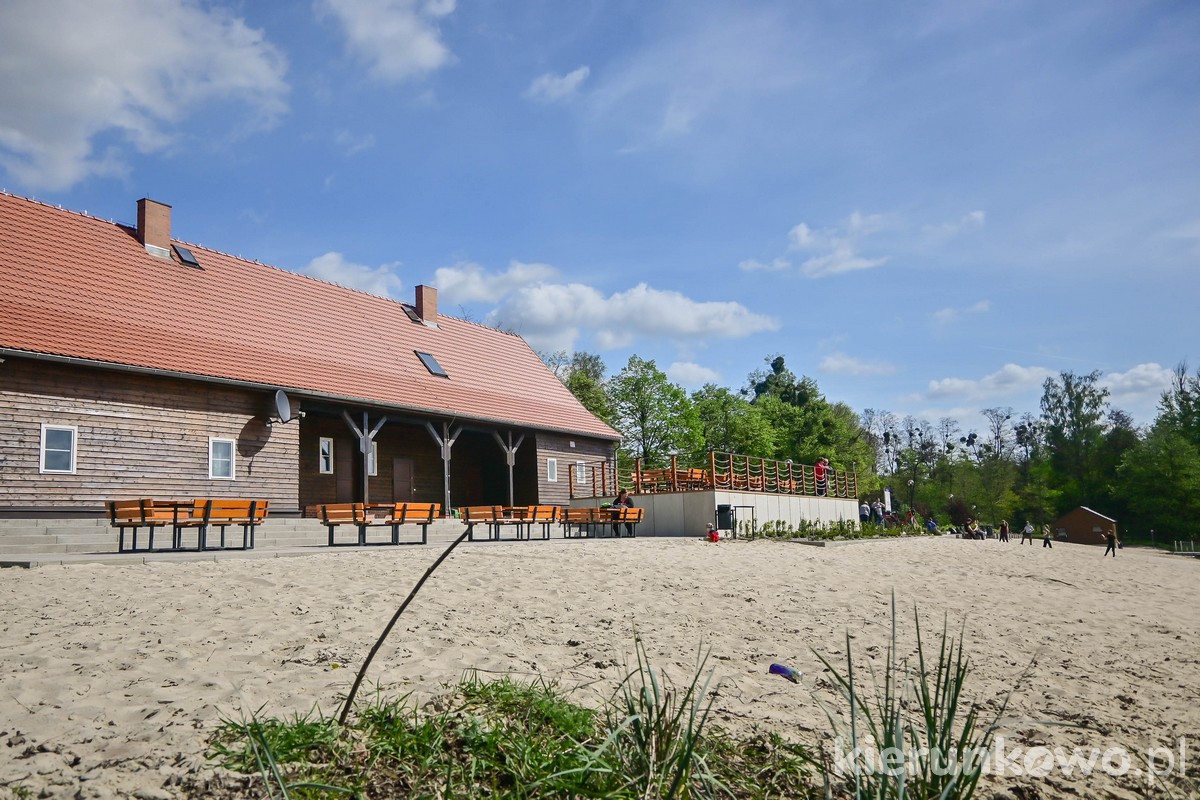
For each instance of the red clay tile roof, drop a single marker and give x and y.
(73, 285)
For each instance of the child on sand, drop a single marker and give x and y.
(1046, 536)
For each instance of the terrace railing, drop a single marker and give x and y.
(725, 471)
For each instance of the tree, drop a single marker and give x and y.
(1073, 409)
(875, 423)
(1160, 477)
(583, 375)
(731, 424)
(654, 416)
(779, 381)
(585, 380)
(1179, 407)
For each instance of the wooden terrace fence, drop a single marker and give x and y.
(724, 471)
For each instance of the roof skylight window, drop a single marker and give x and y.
(186, 257)
(412, 314)
(431, 364)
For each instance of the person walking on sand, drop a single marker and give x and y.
(1111, 537)
(1004, 531)
(819, 476)
(1046, 536)
(1027, 533)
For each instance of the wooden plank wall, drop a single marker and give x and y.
(395, 440)
(138, 436)
(557, 445)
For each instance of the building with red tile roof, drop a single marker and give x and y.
(136, 364)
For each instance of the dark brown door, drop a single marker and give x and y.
(345, 454)
(402, 480)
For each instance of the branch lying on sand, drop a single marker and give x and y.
(362, 671)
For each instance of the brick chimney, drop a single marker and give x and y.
(427, 304)
(154, 227)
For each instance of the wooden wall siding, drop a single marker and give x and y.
(138, 436)
(395, 440)
(556, 445)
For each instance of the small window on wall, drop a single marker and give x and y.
(220, 458)
(58, 449)
(580, 472)
(373, 460)
(325, 456)
(552, 470)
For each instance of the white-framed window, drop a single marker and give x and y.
(552, 470)
(373, 459)
(325, 456)
(220, 458)
(580, 472)
(58, 448)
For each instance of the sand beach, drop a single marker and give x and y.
(113, 677)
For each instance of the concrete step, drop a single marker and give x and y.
(23, 538)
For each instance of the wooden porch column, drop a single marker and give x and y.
(445, 441)
(510, 455)
(365, 438)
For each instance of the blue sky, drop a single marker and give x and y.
(928, 207)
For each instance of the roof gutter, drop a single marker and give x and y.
(270, 387)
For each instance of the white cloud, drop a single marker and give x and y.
(468, 282)
(333, 267)
(1142, 384)
(708, 68)
(550, 88)
(70, 72)
(554, 316)
(397, 39)
(946, 316)
(944, 231)
(351, 144)
(1188, 233)
(776, 265)
(836, 249)
(1011, 379)
(842, 364)
(691, 375)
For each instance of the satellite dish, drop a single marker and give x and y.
(283, 406)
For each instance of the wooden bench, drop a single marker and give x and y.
(582, 520)
(422, 514)
(481, 515)
(220, 513)
(389, 515)
(141, 513)
(545, 516)
(334, 515)
(629, 517)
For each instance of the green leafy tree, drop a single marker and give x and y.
(585, 380)
(1158, 476)
(1073, 410)
(1179, 407)
(655, 417)
(780, 382)
(1160, 479)
(583, 375)
(731, 424)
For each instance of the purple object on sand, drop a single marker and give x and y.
(786, 671)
